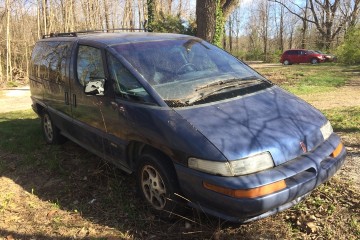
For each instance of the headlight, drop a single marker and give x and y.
(242, 166)
(326, 130)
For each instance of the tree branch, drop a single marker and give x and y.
(228, 6)
(292, 12)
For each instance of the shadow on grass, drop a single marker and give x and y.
(79, 183)
(75, 180)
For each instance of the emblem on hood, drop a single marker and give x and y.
(303, 147)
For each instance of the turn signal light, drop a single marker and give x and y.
(247, 193)
(337, 150)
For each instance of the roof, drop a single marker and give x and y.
(120, 38)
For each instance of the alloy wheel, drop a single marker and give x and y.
(153, 187)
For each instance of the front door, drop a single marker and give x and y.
(89, 126)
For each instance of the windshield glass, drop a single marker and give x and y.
(186, 69)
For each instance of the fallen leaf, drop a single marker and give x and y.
(51, 213)
(10, 237)
(312, 226)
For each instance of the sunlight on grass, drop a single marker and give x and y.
(308, 89)
(344, 119)
(307, 79)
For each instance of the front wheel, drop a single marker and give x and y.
(157, 184)
(51, 132)
(314, 61)
(286, 62)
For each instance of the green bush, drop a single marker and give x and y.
(172, 24)
(274, 57)
(253, 55)
(349, 51)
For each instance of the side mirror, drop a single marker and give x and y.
(95, 87)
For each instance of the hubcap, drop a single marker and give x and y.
(153, 187)
(48, 127)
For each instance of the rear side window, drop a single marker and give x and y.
(48, 60)
(292, 52)
(89, 64)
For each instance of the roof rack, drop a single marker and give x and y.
(75, 34)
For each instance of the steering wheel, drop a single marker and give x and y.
(187, 67)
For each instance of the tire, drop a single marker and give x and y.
(286, 62)
(157, 185)
(314, 61)
(50, 131)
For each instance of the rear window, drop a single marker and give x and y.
(48, 60)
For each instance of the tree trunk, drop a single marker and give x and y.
(106, 10)
(230, 35)
(38, 20)
(304, 27)
(205, 19)
(151, 14)
(8, 43)
(281, 29)
(45, 17)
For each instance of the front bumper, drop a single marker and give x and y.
(301, 175)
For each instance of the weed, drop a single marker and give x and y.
(11, 84)
(56, 204)
(354, 223)
(4, 203)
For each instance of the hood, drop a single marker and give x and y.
(270, 120)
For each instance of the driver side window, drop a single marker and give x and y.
(89, 64)
(124, 83)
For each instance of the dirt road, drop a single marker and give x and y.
(15, 99)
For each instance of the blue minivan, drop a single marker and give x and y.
(194, 124)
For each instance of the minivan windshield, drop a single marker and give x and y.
(188, 70)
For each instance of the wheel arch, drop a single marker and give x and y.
(136, 148)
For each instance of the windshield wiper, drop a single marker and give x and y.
(223, 86)
(237, 81)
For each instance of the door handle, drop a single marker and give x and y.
(119, 107)
(66, 98)
(114, 105)
(74, 100)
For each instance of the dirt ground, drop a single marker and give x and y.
(49, 217)
(15, 99)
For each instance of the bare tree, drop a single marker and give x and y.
(326, 15)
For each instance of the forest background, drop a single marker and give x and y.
(252, 30)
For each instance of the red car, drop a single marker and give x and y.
(301, 56)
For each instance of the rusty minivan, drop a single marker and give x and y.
(195, 125)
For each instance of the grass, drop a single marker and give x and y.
(306, 79)
(20, 132)
(21, 135)
(344, 119)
